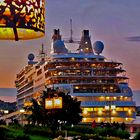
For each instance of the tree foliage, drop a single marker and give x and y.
(70, 113)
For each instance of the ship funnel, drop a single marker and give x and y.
(58, 45)
(85, 43)
(56, 35)
(85, 33)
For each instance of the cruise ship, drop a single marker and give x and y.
(99, 83)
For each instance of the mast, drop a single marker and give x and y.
(42, 54)
(71, 32)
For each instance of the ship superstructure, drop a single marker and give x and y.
(100, 84)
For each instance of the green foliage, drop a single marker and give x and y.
(70, 133)
(112, 138)
(123, 134)
(98, 131)
(79, 135)
(112, 132)
(137, 136)
(30, 132)
(79, 128)
(15, 126)
(40, 131)
(3, 132)
(22, 137)
(16, 133)
(34, 137)
(9, 134)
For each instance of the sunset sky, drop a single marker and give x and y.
(111, 21)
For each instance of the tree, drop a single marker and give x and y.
(37, 116)
(70, 113)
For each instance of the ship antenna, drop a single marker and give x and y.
(71, 32)
(70, 40)
(42, 49)
(42, 53)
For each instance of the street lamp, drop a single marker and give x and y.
(53, 103)
(48, 103)
(22, 19)
(57, 102)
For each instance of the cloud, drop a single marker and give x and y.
(133, 38)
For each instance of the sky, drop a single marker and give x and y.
(111, 21)
(8, 94)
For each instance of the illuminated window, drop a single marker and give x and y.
(107, 98)
(121, 97)
(84, 119)
(102, 98)
(107, 107)
(99, 119)
(95, 109)
(113, 107)
(99, 111)
(114, 98)
(112, 118)
(88, 109)
(100, 108)
(76, 87)
(85, 112)
(93, 65)
(113, 111)
(126, 97)
(119, 108)
(72, 58)
(129, 111)
(126, 108)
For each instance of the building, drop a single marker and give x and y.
(100, 84)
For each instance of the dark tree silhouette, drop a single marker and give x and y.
(37, 117)
(70, 113)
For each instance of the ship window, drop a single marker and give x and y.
(88, 109)
(126, 108)
(39, 72)
(46, 75)
(101, 59)
(21, 79)
(45, 67)
(119, 109)
(97, 109)
(37, 67)
(93, 59)
(60, 73)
